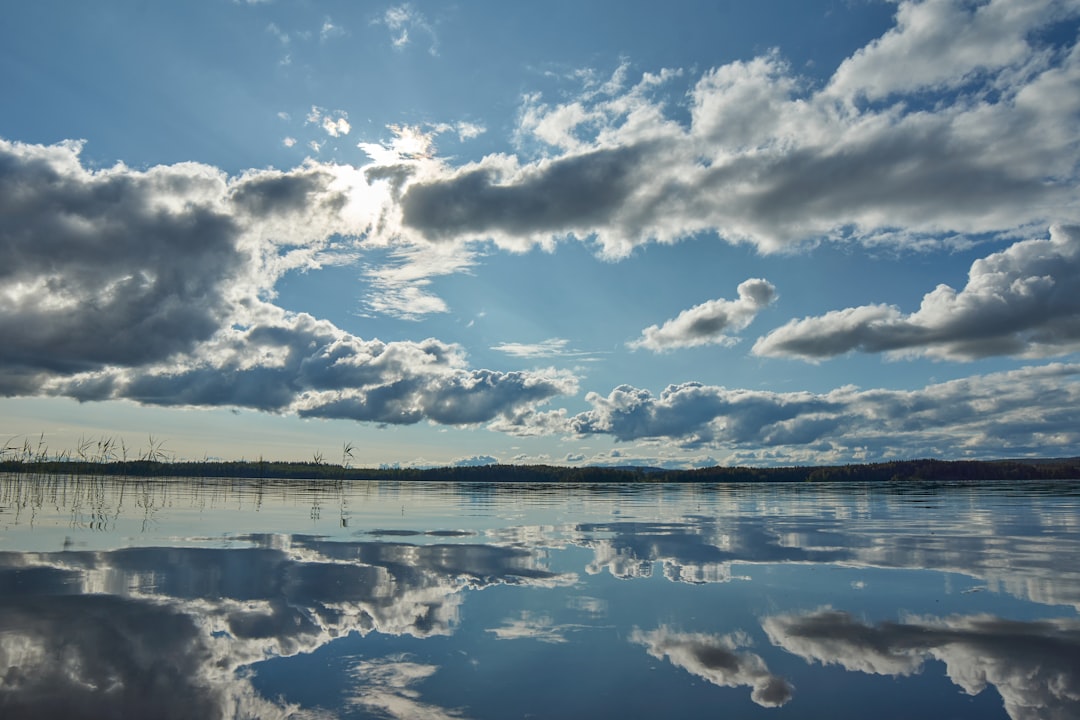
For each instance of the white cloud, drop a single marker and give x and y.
(334, 122)
(409, 143)
(1027, 411)
(336, 127)
(769, 160)
(157, 285)
(939, 44)
(468, 130)
(289, 142)
(1022, 301)
(765, 159)
(709, 323)
(552, 347)
(399, 284)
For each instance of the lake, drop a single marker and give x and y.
(272, 599)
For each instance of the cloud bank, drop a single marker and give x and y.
(976, 136)
(994, 415)
(157, 286)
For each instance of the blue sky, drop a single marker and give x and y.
(716, 232)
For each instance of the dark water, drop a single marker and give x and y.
(203, 599)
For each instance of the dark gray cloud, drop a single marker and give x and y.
(718, 659)
(573, 192)
(1024, 300)
(111, 268)
(1026, 411)
(270, 192)
(1034, 665)
(310, 367)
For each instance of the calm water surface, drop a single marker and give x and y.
(266, 599)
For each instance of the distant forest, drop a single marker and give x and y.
(896, 471)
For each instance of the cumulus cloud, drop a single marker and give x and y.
(155, 286)
(940, 44)
(1023, 411)
(468, 130)
(710, 322)
(719, 659)
(1032, 664)
(766, 157)
(1023, 301)
(311, 368)
(119, 267)
(769, 159)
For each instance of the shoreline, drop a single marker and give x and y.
(920, 470)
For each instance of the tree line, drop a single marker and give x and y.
(893, 471)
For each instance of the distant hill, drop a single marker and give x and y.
(895, 471)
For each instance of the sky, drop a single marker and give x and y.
(610, 233)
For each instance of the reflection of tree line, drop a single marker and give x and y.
(896, 471)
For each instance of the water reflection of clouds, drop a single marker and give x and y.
(219, 610)
(694, 550)
(96, 656)
(102, 623)
(533, 626)
(719, 659)
(1029, 557)
(1035, 666)
(385, 687)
